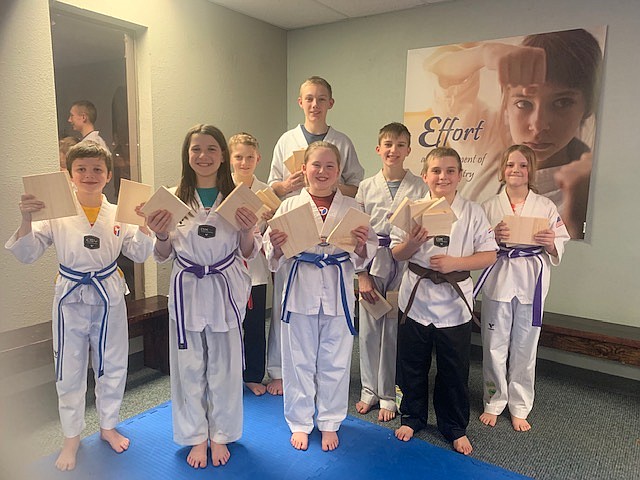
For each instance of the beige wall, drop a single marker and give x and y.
(195, 62)
(365, 61)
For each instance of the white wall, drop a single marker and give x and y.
(365, 61)
(195, 62)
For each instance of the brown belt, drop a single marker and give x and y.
(452, 278)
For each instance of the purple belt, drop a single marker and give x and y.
(512, 252)
(199, 271)
(95, 280)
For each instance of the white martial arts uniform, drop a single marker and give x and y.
(378, 338)
(508, 335)
(351, 173)
(206, 376)
(317, 343)
(85, 248)
(254, 326)
(440, 304)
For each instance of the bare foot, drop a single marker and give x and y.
(274, 387)
(363, 408)
(197, 457)
(520, 424)
(404, 433)
(462, 445)
(119, 443)
(300, 440)
(67, 458)
(219, 454)
(385, 415)
(257, 388)
(489, 419)
(330, 441)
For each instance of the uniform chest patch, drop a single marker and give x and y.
(91, 242)
(206, 231)
(441, 240)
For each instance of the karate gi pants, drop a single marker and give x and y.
(274, 349)
(206, 386)
(509, 349)
(378, 346)
(254, 336)
(451, 390)
(316, 364)
(81, 336)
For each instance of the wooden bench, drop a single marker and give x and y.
(607, 341)
(30, 348)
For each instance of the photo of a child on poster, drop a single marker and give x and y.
(540, 90)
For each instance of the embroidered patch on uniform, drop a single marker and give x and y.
(206, 231)
(116, 230)
(91, 242)
(323, 210)
(559, 222)
(441, 240)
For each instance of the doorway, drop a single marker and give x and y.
(94, 61)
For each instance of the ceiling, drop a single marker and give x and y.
(292, 14)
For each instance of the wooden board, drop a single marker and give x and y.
(269, 198)
(379, 309)
(392, 298)
(241, 196)
(522, 229)
(55, 191)
(341, 235)
(438, 223)
(163, 199)
(300, 227)
(295, 161)
(130, 196)
(401, 218)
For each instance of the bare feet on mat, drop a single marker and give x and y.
(363, 408)
(274, 387)
(385, 415)
(300, 440)
(489, 419)
(220, 454)
(520, 424)
(67, 458)
(257, 388)
(404, 433)
(197, 457)
(462, 445)
(330, 441)
(119, 443)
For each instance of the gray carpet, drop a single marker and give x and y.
(585, 425)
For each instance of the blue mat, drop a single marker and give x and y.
(366, 451)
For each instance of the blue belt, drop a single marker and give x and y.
(82, 278)
(320, 261)
(512, 252)
(199, 271)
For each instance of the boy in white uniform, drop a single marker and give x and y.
(210, 288)
(436, 298)
(315, 100)
(85, 304)
(318, 305)
(379, 196)
(245, 155)
(512, 297)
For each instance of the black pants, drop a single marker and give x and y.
(451, 389)
(254, 336)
